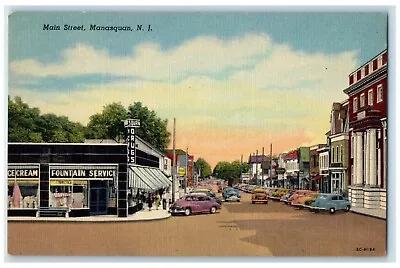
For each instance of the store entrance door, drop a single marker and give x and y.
(98, 197)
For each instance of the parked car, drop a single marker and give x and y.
(259, 195)
(231, 195)
(301, 200)
(209, 193)
(194, 203)
(331, 203)
(279, 193)
(297, 194)
(285, 198)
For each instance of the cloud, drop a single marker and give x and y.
(274, 94)
(201, 55)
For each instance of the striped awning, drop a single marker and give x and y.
(147, 178)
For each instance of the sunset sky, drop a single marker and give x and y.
(235, 82)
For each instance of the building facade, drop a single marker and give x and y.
(315, 175)
(323, 179)
(367, 173)
(258, 174)
(338, 143)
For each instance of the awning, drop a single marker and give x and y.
(318, 177)
(147, 178)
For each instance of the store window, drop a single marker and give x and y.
(68, 193)
(379, 95)
(23, 194)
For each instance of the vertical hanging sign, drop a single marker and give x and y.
(130, 125)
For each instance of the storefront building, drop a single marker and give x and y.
(324, 178)
(367, 172)
(81, 179)
(315, 175)
(338, 141)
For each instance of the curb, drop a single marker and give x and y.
(77, 220)
(368, 215)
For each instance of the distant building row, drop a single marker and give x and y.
(354, 159)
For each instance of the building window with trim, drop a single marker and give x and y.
(355, 106)
(379, 95)
(362, 100)
(23, 193)
(371, 97)
(68, 193)
(341, 153)
(337, 154)
(352, 146)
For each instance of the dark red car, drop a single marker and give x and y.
(194, 203)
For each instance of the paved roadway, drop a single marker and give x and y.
(239, 229)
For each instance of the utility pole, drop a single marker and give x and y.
(270, 165)
(262, 170)
(241, 169)
(186, 170)
(257, 167)
(173, 164)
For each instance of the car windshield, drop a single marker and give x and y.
(323, 196)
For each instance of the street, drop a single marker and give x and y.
(239, 229)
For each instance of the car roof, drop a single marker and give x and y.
(197, 194)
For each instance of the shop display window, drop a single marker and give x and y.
(23, 194)
(67, 193)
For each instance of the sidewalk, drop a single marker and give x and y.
(377, 213)
(143, 215)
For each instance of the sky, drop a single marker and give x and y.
(235, 82)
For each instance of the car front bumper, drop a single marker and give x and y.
(176, 210)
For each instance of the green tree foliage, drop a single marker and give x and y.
(108, 124)
(152, 128)
(203, 166)
(25, 124)
(228, 171)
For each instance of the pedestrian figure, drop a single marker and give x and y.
(149, 201)
(158, 201)
(164, 200)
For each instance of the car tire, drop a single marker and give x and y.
(238, 200)
(347, 209)
(213, 210)
(332, 210)
(252, 202)
(188, 211)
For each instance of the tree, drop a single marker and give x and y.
(203, 166)
(25, 124)
(108, 124)
(152, 128)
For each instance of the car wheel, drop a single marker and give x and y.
(213, 210)
(332, 210)
(238, 200)
(347, 208)
(188, 211)
(252, 202)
